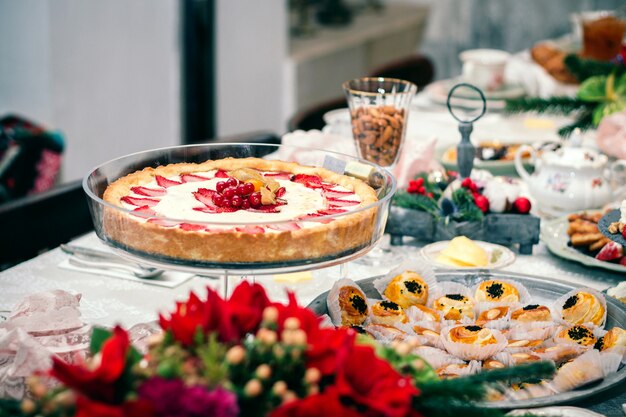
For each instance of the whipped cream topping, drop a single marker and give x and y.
(179, 203)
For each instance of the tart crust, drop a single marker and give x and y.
(349, 231)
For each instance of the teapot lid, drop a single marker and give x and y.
(575, 157)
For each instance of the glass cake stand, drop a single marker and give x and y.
(107, 216)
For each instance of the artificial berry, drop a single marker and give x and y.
(218, 199)
(421, 190)
(219, 187)
(232, 182)
(521, 205)
(236, 201)
(248, 187)
(469, 184)
(482, 203)
(245, 204)
(229, 192)
(255, 200)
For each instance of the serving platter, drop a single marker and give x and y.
(542, 290)
(554, 235)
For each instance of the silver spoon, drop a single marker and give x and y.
(138, 271)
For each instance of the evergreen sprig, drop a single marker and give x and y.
(582, 68)
(417, 202)
(466, 208)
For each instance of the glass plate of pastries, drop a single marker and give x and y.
(249, 208)
(576, 237)
(466, 322)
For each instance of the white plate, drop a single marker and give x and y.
(554, 235)
(438, 93)
(506, 257)
(555, 412)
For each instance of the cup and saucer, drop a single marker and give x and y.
(483, 68)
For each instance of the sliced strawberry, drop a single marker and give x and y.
(281, 192)
(226, 209)
(205, 209)
(215, 230)
(250, 229)
(144, 211)
(193, 178)
(204, 199)
(149, 192)
(337, 193)
(284, 226)
(190, 227)
(221, 174)
(207, 192)
(622, 260)
(610, 251)
(315, 217)
(328, 186)
(163, 222)
(139, 202)
(278, 175)
(335, 202)
(310, 181)
(330, 211)
(164, 182)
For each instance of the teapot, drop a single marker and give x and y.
(571, 178)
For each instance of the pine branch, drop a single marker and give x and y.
(417, 202)
(584, 123)
(582, 68)
(553, 105)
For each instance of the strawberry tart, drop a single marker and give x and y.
(240, 211)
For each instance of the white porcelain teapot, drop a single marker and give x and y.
(571, 178)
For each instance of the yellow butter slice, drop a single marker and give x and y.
(465, 251)
(446, 260)
(293, 277)
(533, 123)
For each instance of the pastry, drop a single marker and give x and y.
(492, 364)
(496, 291)
(615, 337)
(558, 354)
(495, 313)
(454, 306)
(239, 210)
(524, 343)
(454, 370)
(473, 335)
(352, 305)
(385, 332)
(407, 289)
(532, 313)
(579, 334)
(463, 252)
(524, 357)
(387, 312)
(428, 314)
(583, 307)
(423, 331)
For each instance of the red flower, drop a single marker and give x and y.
(323, 348)
(247, 304)
(88, 408)
(324, 404)
(309, 321)
(99, 384)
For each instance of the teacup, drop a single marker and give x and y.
(484, 68)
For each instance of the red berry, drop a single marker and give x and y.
(245, 204)
(229, 192)
(218, 199)
(255, 200)
(430, 195)
(240, 189)
(466, 183)
(482, 203)
(249, 188)
(419, 181)
(225, 202)
(232, 182)
(219, 187)
(610, 251)
(236, 201)
(421, 190)
(521, 205)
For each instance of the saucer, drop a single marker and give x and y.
(438, 93)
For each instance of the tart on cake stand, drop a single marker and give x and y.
(239, 209)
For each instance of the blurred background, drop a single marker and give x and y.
(118, 76)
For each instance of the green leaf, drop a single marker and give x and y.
(593, 89)
(98, 337)
(606, 109)
(620, 86)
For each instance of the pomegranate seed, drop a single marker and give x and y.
(255, 200)
(249, 188)
(245, 205)
(218, 199)
(219, 187)
(232, 182)
(229, 192)
(241, 189)
(236, 201)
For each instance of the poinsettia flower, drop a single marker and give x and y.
(324, 404)
(247, 304)
(99, 384)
